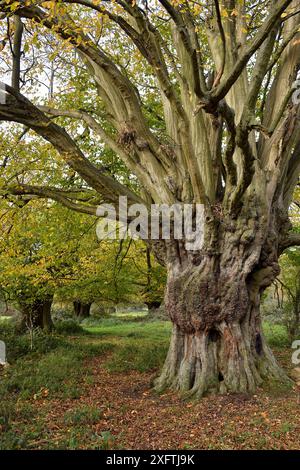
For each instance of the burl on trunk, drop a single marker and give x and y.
(213, 300)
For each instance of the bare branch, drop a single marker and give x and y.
(17, 45)
(293, 239)
(227, 82)
(54, 194)
(186, 41)
(19, 109)
(223, 38)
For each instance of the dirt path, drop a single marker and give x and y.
(133, 417)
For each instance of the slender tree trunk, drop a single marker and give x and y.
(76, 306)
(153, 304)
(81, 309)
(17, 53)
(37, 314)
(295, 322)
(213, 300)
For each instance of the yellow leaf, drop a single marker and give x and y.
(49, 4)
(224, 13)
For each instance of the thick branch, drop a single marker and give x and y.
(186, 41)
(293, 239)
(223, 39)
(49, 193)
(250, 50)
(19, 109)
(17, 52)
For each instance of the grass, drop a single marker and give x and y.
(110, 327)
(83, 415)
(68, 327)
(138, 355)
(56, 373)
(57, 367)
(142, 346)
(130, 315)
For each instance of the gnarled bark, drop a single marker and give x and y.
(216, 355)
(213, 300)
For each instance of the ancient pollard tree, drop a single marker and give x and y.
(194, 102)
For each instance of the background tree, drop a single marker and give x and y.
(34, 260)
(196, 100)
(289, 283)
(46, 250)
(111, 273)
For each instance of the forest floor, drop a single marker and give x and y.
(91, 390)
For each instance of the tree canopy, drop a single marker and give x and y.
(179, 100)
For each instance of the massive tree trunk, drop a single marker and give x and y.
(37, 314)
(213, 300)
(82, 309)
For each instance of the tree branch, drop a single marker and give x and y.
(293, 239)
(17, 45)
(49, 193)
(17, 108)
(223, 39)
(186, 41)
(225, 85)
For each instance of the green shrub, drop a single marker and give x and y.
(276, 335)
(19, 345)
(69, 326)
